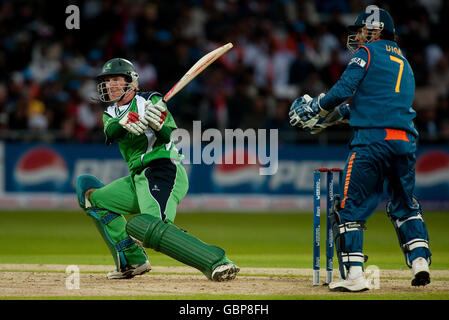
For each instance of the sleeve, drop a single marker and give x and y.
(112, 129)
(349, 81)
(344, 111)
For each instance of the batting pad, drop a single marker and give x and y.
(169, 239)
(85, 182)
(112, 229)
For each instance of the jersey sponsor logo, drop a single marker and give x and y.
(358, 61)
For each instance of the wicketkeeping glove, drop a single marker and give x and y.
(155, 114)
(339, 115)
(134, 123)
(305, 112)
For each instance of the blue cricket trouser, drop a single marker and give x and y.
(370, 167)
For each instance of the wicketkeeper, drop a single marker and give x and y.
(381, 83)
(141, 125)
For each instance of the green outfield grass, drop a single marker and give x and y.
(269, 240)
(251, 240)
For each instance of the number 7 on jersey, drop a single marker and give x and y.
(401, 68)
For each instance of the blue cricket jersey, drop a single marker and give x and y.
(382, 86)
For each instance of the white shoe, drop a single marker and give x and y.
(355, 282)
(130, 271)
(225, 272)
(421, 272)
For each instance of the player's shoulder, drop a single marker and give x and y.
(377, 44)
(147, 95)
(110, 111)
(387, 46)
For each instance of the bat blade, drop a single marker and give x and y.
(197, 68)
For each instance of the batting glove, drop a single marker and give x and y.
(339, 115)
(134, 123)
(305, 112)
(155, 114)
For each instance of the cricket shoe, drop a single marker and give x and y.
(130, 271)
(355, 282)
(421, 273)
(225, 272)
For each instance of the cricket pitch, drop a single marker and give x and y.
(49, 280)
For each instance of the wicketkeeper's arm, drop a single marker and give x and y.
(349, 81)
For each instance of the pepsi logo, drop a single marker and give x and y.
(41, 165)
(432, 168)
(239, 166)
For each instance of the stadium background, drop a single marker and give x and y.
(51, 129)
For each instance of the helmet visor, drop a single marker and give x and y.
(112, 90)
(361, 36)
(352, 43)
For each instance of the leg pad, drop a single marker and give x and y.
(85, 182)
(169, 239)
(412, 234)
(347, 252)
(111, 226)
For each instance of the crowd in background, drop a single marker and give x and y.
(282, 49)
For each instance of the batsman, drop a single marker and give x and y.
(142, 126)
(382, 150)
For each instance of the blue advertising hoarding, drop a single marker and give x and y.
(52, 168)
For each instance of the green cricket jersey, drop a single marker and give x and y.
(138, 151)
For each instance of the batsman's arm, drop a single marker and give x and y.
(164, 135)
(112, 129)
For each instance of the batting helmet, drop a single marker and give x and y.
(117, 67)
(373, 19)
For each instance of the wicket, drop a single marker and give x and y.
(317, 219)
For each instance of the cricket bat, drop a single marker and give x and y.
(197, 68)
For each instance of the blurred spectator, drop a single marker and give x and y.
(44, 62)
(315, 84)
(281, 49)
(280, 122)
(439, 76)
(427, 124)
(37, 115)
(334, 69)
(147, 72)
(4, 116)
(256, 117)
(240, 103)
(444, 130)
(300, 68)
